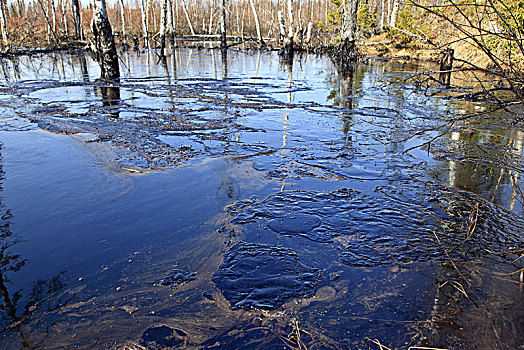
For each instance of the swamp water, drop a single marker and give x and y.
(211, 201)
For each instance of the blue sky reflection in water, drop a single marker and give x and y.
(203, 201)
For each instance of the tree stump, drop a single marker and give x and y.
(446, 66)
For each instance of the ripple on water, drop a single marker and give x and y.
(263, 276)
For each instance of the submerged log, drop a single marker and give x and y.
(104, 44)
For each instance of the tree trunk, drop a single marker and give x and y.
(299, 33)
(145, 29)
(64, 17)
(211, 13)
(223, 37)
(288, 51)
(257, 23)
(170, 21)
(187, 17)
(394, 11)
(3, 23)
(308, 34)
(124, 34)
(104, 45)
(163, 26)
(345, 54)
(382, 15)
(76, 19)
(282, 27)
(53, 9)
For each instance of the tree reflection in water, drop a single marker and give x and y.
(17, 309)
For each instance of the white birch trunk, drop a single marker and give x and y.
(170, 21)
(210, 30)
(223, 37)
(145, 29)
(290, 16)
(163, 26)
(393, 18)
(3, 23)
(64, 17)
(104, 45)
(345, 55)
(257, 23)
(281, 26)
(187, 17)
(122, 13)
(308, 35)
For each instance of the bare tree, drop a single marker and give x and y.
(104, 43)
(163, 27)
(122, 13)
(223, 37)
(394, 11)
(3, 23)
(77, 21)
(53, 9)
(64, 17)
(171, 21)
(493, 29)
(345, 54)
(145, 28)
(287, 52)
(282, 27)
(184, 7)
(257, 23)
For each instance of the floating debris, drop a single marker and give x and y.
(176, 278)
(262, 276)
(162, 337)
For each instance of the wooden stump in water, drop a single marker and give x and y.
(104, 43)
(446, 66)
(345, 56)
(287, 52)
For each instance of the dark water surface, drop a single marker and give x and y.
(210, 201)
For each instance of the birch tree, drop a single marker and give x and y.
(163, 27)
(345, 53)
(122, 13)
(223, 37)
(184, 7)
(145, 30)
(257, 23)
(394, 11)
(64, 17)
(287, 52)
(104, 43)
(3, 23)
(171, 21)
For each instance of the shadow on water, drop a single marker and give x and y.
(280, 205)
